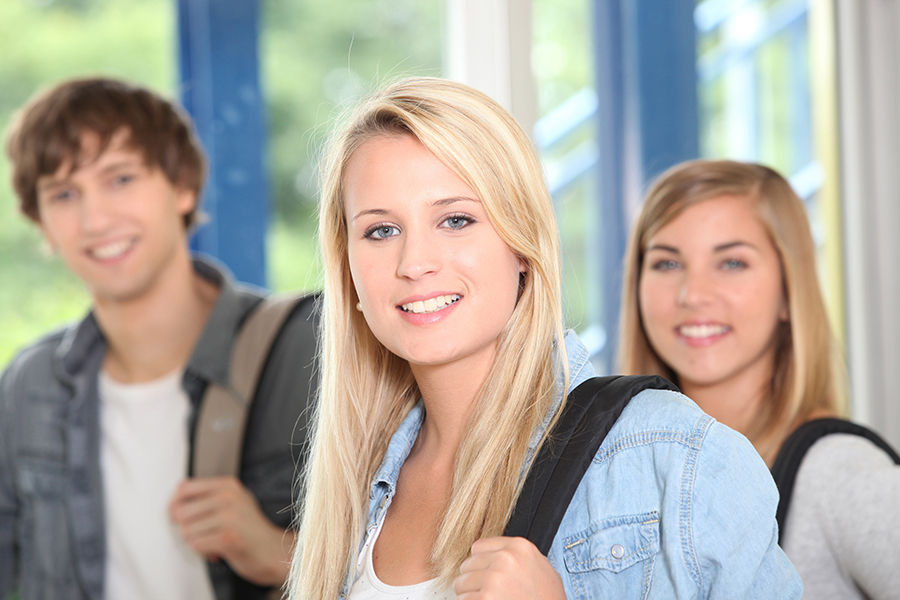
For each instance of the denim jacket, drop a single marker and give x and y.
(674, 505)
(52, 528)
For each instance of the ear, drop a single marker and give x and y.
(523, 266)
(185, 200)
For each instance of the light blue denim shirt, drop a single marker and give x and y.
(675, 505)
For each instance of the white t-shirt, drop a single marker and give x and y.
(143, 457)
(368, 587)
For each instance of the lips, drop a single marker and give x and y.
(421, 307)
(111, 250)
(701, 331)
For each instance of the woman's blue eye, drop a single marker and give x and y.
(123, 179)
(381, 232)
(733, 264)
(665, 265)
(457, 221)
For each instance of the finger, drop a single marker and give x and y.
(493, 544)
(188, 511)
(476, 562)
(196, 486)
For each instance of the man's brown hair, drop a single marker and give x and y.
(48, 131)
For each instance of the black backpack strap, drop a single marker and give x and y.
(787, 463)
(589, 414)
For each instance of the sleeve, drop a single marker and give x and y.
(856, 492)
(8, 503)
(275, 441)
(733, 534)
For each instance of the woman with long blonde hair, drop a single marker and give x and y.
(721, 296)
(444, 363)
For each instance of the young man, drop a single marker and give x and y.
(97, 421)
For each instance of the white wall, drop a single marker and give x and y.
(869, 95)
(488, 46)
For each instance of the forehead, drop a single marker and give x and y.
(720, 219)
(397, 170)
(92, 151)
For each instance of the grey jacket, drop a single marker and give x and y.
(52, 536)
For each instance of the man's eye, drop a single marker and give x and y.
(381, 232)
(123, 179)
(62, 196)
(457, 221)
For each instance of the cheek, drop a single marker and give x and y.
(652, 301)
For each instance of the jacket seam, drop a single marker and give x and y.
(687, 494)
(646, 438)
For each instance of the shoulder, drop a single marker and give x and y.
(297, 339)
(658, 417)
(683, 492)
(688, 448)
(843, 513)
(848, 478)
(33, 365)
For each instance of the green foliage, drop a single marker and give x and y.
(41, 43)
(317, 59)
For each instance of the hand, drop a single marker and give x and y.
(507, 567)
(220, 519)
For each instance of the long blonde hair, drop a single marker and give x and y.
(365, 391)
(808, 374)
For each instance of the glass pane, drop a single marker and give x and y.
(561, 58)
(318, 58)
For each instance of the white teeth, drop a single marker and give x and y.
(113, 250)
(431, 305)
(702, 331)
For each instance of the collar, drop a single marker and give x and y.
(208, 360)
(398, 449)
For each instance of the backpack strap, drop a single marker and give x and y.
(589, 414)
(219, 433)
(787, 463)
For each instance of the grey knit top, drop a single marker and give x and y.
(843, 524)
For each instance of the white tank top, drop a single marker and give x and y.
(143, 457)
(368, 587)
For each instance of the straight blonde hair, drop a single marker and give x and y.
(366, 391)
(809, 375)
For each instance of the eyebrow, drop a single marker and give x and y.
(718, 248)
(435, 204)
(48, 182)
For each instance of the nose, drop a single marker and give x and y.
(420, 255)
(695, 290)
(95, 211)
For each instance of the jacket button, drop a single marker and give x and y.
(617, 551)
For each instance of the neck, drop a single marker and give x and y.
(155, 333)
(449, 392)
(736, 402)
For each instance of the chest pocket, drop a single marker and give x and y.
(43, 523)
(614, 556)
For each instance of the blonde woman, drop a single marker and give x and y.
(443, 363)
(721, 297)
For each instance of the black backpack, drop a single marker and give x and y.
(589, 414)
(787, 463)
